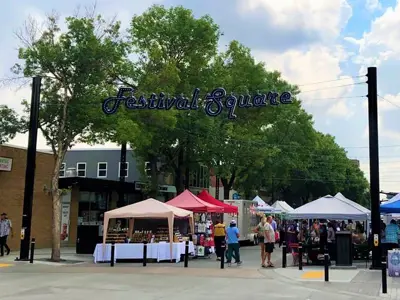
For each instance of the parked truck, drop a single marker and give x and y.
(246, 220)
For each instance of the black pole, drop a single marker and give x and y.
(284, 254)
(186, 254)
(30, 170)
(122, 174)
(112, 254)
(384, 277)
(144, 253)
(374, 165)
(223, 250)
(300, 256)
(326, 264)
(33, 242)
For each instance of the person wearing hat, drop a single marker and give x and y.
(5, 230)
(232, 238)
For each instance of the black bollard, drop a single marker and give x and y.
(384, 278)
(144, 253)
(326, 265)
(112, 254)
(186, 254)
(223, 249)
(300, 256)
(33, 242)
(284, 254)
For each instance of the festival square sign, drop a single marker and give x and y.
(215, 102)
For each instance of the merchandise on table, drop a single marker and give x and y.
(141, 236)
(203, 238)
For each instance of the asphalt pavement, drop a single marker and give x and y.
(201, 280)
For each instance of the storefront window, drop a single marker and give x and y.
(92, 207)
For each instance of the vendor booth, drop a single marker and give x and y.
(165, 244)
(392, 206)
(261, 206)
(282, 206)
(315, 241)
(203, 221)
(227, 208)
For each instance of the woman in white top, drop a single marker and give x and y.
(260, 229)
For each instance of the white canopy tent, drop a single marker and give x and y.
(340, 196)
(148, 209)
(328, 207)
(282, 206)
(261, 206)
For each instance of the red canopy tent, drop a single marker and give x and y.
(188, 201)
(229, 209)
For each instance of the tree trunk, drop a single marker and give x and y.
(178, 173)
(228, 184)
(56, 204)
(187, 169)
(154, 177)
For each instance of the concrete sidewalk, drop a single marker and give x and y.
(347, 282)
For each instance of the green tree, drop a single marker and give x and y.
(327, 171)
(78, 67)
(174, 50)
(240, 147)
(10, 124)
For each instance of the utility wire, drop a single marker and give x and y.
(332, 80)
(332, 87)
(394, 104)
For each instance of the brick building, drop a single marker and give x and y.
(12, 184)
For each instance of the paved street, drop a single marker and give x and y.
(203, 279)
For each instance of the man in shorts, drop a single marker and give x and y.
(269, 241)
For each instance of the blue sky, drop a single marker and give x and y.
(307, 41)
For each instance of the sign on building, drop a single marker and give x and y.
(5, 164)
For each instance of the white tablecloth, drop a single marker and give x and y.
(159, 251)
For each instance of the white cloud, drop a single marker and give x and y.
(382, 42)
(340, 109)
(388, 173)
(373, 5)
(325, 17)
(317, 64)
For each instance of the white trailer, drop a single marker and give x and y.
(245, 220)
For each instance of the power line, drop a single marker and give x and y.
(398, 106)
(337, 98)
(332, 80)
(333, 87)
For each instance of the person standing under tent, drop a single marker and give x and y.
(219, 238)
(232, 237)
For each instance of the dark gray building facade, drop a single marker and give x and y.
(101, 164)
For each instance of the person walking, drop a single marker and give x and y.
(219, 238)
(232, 237)
(5, 230)
(269, 241)
(260, 229)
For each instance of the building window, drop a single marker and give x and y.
(81, 169)
(200, 178)
(61, 174)
(123, 170)
(102, 170)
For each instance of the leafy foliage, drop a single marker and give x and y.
(10, 124)
(78, 67)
